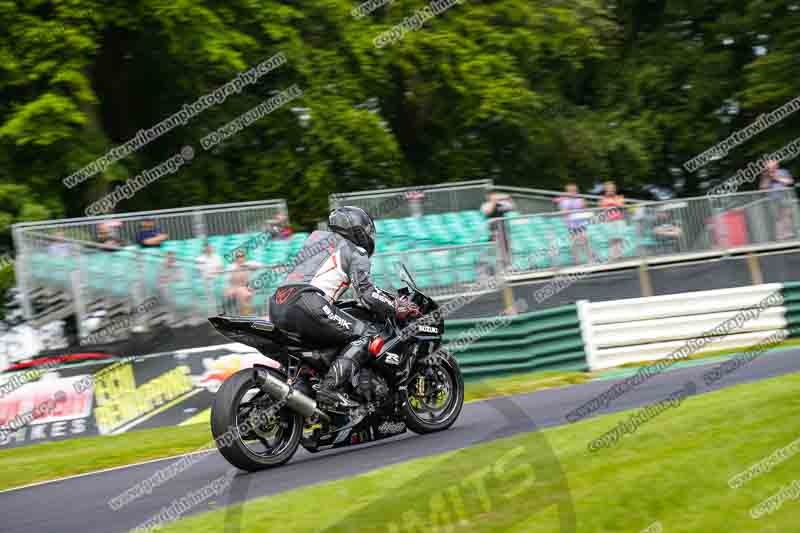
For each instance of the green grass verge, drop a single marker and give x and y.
(41, 462)
(673, 470)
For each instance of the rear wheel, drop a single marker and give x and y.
(435, 396)
(250, 430)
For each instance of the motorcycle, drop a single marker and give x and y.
(261, 415)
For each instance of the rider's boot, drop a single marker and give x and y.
(341, 372)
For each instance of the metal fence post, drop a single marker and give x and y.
(22, 272)
(77, 285)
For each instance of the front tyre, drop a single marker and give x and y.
(435, 396)
(250, 430)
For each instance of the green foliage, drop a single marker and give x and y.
(526, 92)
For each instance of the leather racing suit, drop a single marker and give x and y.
(305, 303)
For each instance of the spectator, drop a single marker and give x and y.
(150, 236)
(278, 228)
(576, 222)
(777, 179)
(498, 206)
(415, 199)
(58, 248)
(106, 238)
(615, 219)
(209, 263)
(168, 276)
(237, 287)
(667, 232)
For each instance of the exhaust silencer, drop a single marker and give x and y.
(295, 400)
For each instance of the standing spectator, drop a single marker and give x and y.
(150, 236)
(576, 222)
(237, 287)
(278, 228)
(209, 263)
(777, 179)
(667, 232)
(106, 238)
(496, 207)
(168, 276)
(58, 248)
(615, 219)
(415, 199)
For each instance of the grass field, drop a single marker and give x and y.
(674, 470)
(21, 466)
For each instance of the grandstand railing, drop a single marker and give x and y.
(179, 224)
(402, 202)
(531, 201)
(730, 223)
(448, 197)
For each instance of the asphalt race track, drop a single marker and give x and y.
(81, 504)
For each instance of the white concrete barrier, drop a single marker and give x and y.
(683, 304)
(647, 329)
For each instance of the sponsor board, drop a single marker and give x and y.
(72, 416)
(117, 395)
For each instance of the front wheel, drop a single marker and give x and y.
(435, 396)
(250, 430)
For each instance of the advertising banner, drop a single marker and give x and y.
(112, 397)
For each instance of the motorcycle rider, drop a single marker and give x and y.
(304, 304)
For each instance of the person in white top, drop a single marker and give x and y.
(209, 263)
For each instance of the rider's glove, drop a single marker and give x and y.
(405, 309)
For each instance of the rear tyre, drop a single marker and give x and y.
(250, 432)
(435, 396)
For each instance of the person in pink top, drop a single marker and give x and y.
(615, 219)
